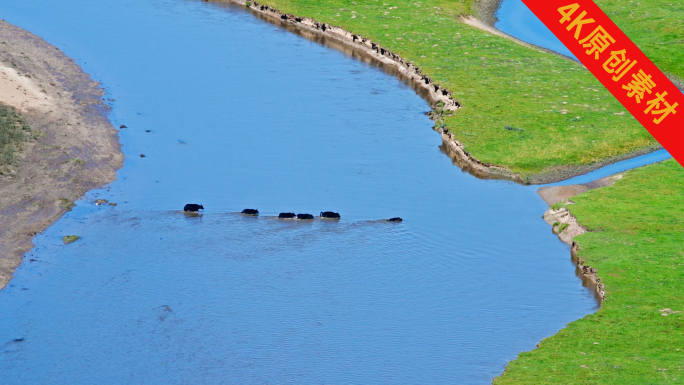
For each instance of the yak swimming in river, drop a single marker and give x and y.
(330, 215)
(250, 212)
(395, 219)
(286, 215)
(305, 216)
(192, 207)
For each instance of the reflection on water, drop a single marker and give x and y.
(242, 113)
(458, 161)
(351, 51)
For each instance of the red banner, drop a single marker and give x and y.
(622, 68)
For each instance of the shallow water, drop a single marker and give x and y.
(244, 114)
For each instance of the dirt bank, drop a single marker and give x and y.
(566, 226)
(77, 148)
(555, 194)
(485, 11)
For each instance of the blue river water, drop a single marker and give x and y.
(515, 19)
(244, 114)
(611, 169)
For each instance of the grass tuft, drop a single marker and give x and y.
(510, 128)
(557, 206)
(67, 239)
(13, 133)
(66, 204)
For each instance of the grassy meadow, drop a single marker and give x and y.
(563, 115)
(636, 241)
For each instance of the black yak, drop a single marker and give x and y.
(305, 216)
(250, 212)
(286, 215)
(330, 215)
(193, 207)
(395, 219)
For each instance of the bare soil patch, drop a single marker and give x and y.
(556, 194)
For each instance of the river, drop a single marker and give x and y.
(244, 114)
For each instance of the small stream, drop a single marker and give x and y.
(242, 114)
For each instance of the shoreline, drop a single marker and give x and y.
(566, 226)
(631, 232)
(433, 92)
(430, 91)
(77, 149)
(588, 274)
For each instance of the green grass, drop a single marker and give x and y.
(566, 116)
(13, 132)
(656, 26)
(636, 241)
(66, 204)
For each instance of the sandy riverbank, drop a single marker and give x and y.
(77, 147)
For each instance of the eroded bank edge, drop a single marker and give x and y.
(566, 226)
(437, 93)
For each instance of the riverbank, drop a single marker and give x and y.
(525, 115)
(634, 232)
(73, 147)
